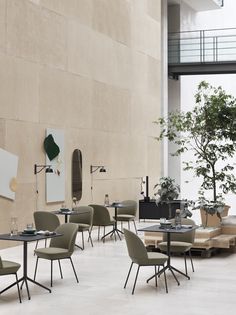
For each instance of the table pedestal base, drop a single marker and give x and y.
(172, 269)
(113, 232)
(24, 280)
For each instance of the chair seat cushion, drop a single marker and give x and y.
(125, 217)
(156, 258)
(175, 247)
(83, 227)
(52, 253)
(112, 222)
(9, 267)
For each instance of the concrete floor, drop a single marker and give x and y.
(102, 271)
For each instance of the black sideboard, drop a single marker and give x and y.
(149, 209)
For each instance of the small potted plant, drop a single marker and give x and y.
(167, 190)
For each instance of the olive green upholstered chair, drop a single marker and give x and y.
(84, 222)
(180, 243)
(7, 268)
(61, 247)
(127, 213)
(101, 217)
(139, 255)
(45, 221)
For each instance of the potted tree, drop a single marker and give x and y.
(209, 130)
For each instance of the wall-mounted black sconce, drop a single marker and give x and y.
(47, 168)
(38, 169)
(94, 168)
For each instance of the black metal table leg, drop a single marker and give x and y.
(25, 277)
(169, 266)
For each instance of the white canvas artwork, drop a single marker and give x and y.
(8, 173)
(55, 182)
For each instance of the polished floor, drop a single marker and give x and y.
(102, 271)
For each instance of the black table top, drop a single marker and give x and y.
(158, 228)
(116, 205)
(69, 211)
(26, 237)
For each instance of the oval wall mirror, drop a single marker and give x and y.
(77, 174)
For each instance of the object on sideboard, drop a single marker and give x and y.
(146, 181)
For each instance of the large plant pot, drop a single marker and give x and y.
(209, 220)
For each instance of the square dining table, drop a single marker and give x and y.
(26, 238)
(168, 230)
(115, 230)
(68, 212)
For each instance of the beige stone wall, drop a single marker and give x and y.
(92, 69)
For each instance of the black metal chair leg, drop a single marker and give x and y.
(104, 233)
(18, 288)
(127, 278)
(98, 232)
(36, 245)
(156, 275)
(185, 263)
(135, 227)
(135, 279)
(90, 238)
(36, 266)
(59, 263)
(51, 271)
(190, 256)
(74, 270)
(91, 230)
(82, 240)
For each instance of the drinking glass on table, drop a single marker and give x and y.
(29, 226)
(14, 226)
(162, 220)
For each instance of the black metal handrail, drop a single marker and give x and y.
(212, 45)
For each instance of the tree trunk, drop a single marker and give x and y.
(214, 182)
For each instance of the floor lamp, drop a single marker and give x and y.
(37, 169)
(93, 169)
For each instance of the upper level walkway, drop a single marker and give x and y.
(202, 52)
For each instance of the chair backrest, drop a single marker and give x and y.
(1, 262)
(136, 249)
(67, 240)
(187, 237)
(128, 207)
(85, 215)
(45, 220)
(101, 215)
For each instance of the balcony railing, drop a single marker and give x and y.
(203, 46)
